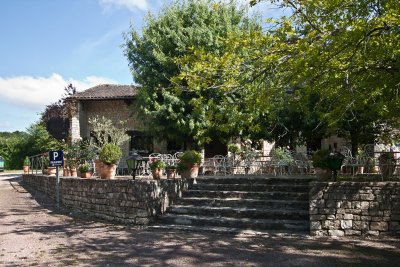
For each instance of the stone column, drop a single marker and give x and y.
(75, 132)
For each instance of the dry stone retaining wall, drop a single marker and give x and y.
(126, 201)
(354, 208)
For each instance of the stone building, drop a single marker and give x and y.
(113, 102)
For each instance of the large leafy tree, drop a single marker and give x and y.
(345, 54)
(14, 147)
(172, 110)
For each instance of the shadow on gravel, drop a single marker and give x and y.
(96, 243)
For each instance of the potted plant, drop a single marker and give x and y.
(46, 166)
(85, 171)
(72, 158)
(171, 171)
(189, 163)
(26, 165)
(110, 154)
(157, 167)
(335, 160)
(320, 164)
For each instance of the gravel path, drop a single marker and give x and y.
(33, 233)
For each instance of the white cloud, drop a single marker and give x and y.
(132, 5)
(36, 92)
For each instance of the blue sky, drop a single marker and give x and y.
(46, 44)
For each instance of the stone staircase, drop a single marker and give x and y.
(239, 204)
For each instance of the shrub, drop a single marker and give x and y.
(157, 164)
(190, 157)
(282, 154)
(110, 154)
(320, 159)
(182, 167)
(234, 148)
(26, 161)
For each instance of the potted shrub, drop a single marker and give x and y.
(157, 167)
(320, 164)
(110, 154)
(171, 171)
(85, 171)
(26, 165)
(189, 164)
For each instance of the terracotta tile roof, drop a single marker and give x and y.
(107, 91)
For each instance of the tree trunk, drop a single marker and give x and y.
(354, 143)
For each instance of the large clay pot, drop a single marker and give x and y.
(191, 173)
(157, 173)
(108, 171)
(323, 174)
(26, 169)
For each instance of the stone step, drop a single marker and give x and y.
(232, 212)
(229, 230)
(242, 223)
(242, 202)
(252, 187)
(247, 195)
(253, 180)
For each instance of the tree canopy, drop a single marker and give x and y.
(172, 110)
(340, 57)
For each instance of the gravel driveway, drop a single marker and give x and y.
(33, 233)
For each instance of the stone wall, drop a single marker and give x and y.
(125, 201)
(354, 208)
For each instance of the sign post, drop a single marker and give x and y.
(57, 160)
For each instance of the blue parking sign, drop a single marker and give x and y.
(56, 158)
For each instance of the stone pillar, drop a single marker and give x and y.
(75, 131)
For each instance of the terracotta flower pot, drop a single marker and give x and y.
(73, 172)
(108, 171)
(66, 171)
(51, 171)
(26, 169)
(86, 174)
(191, 173)
(171, 173)
(157, 173)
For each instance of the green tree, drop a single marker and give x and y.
(344, 52)
(172, 110)
(12, 149)
(39, 140)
